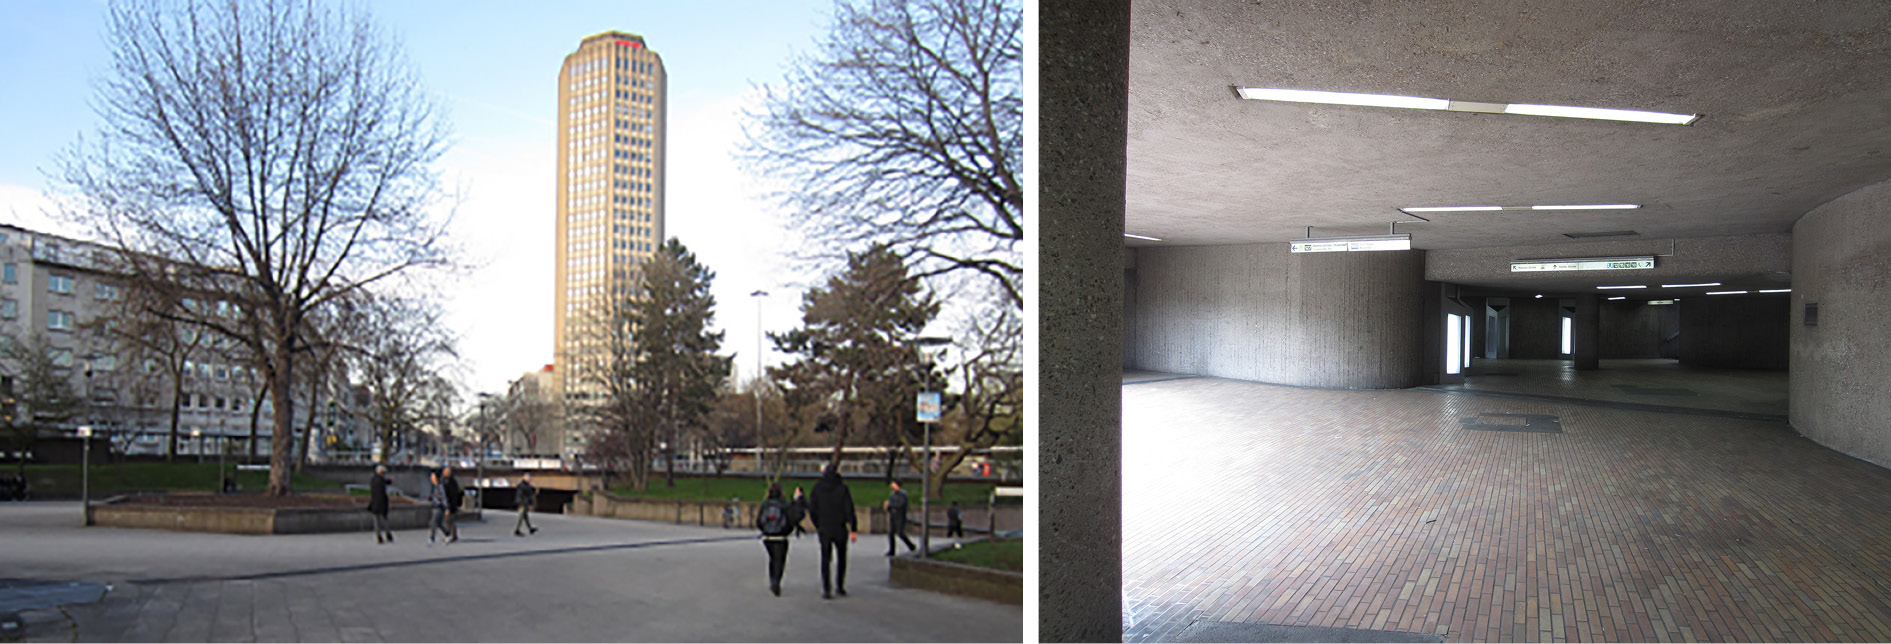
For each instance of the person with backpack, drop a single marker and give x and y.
(776, 518)
(455, 495)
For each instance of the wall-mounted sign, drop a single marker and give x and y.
(1343, 244)
(1583, 264)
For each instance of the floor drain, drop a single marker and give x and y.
(1532, 423)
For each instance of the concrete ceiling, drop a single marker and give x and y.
(1795, 98)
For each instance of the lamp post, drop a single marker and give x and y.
(755, 389)
(198, 436)
(85, 473)
(927, 415)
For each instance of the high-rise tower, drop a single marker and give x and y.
(610, 194)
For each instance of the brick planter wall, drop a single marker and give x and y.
(260, 520)
(958, 579)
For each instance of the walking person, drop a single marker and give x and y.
(527, 496)
(436, 501)
(455, 495)
(832, 506)
(896, 516)
(377, 505)
(776, 518)
(800, 505)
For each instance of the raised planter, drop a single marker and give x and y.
(958, 579)
(122, 513)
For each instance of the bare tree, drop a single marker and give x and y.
(988, 411)
(274, 153)
(395, 349)
(607, 406)
(907, 128)
(36, 391)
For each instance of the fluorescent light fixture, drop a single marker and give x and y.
(1612, 206)
(1618, 297)
(1689, 285)
(1539, 296)
(1635, 286)
(1140, 237)
(1343, 98)
(1599, 113)
(1725, 292)
(1401, 241)
(1777, 290)
(1422, 103)
(1661, 302)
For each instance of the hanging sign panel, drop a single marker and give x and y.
(1583, 264)
(1344, 244)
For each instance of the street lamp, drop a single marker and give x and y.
(198, 435)
(927, 417)
(755, 388)
(85, 473)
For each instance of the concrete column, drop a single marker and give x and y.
(1586, 332)
(1083, 115)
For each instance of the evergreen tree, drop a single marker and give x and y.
(673, 361)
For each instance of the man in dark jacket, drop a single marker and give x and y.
(527, 496)
(776, 519)
(896, 517)
(377, 505)
(833, 510)
(800, 505)
(454, 497)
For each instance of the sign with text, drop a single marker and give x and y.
(1582, 264)
(929, 406)
(1344, 244)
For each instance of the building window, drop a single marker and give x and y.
(105, 363)
(9, 308)
(61, 357)
(59, 320)
(222, 373)
(106, 291)
(60, 284)
(10, 273)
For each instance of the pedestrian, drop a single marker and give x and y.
(454, 497)
(895, 505)
(800, 504)
(954, 521)
(832, 507)
(377, 505)
(776, 518)
(527, 496)
(436, 501)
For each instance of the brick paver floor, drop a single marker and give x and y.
(581, 579)
(1412, 511)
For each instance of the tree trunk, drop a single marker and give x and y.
(256, 413)
(177, 395)
(308, 435)
(282, 441)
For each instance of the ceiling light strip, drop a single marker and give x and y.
(1422, 103)
(1726, 292)
(1635, 286)
(1776, 290)
(1689, 285)
(1140, 237)
(1607, 206)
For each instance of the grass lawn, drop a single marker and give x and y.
(869, 492)
(63, 480)
(1003, 555)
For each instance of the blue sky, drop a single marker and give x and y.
(493, 66)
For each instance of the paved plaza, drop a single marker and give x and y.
(578, 579)
(1482, 518)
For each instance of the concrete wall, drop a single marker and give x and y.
(958, 579)
(1129, 306)
(1735, 331)
(1536, 328)
(1632, 329)
(1842, 262)
(1258, 312)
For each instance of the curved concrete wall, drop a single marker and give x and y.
(1841, 367)
(1257, 312)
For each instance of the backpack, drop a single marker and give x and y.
(775, 519)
